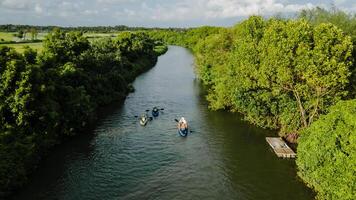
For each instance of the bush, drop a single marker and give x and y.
(327, 153)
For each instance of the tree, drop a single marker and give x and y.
(303, 69)
(64, 47)
(20, 34)
(344, 21)
(34, 34)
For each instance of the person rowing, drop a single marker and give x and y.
(144, 119)
(182, 127)
(155, 112)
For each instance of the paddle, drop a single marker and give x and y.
(158, 109)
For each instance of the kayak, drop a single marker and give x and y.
(143, 119)
(183, 132)
(155, 112)
(182, 127)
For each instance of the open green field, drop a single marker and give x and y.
(21, 46)
(7, 36)
(40, 35)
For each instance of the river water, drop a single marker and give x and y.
(223, 158)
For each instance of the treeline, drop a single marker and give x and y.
(285, 74)
(185, 37)
(94, 29)
(52, 95)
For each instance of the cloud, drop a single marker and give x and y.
(16, 4)
(157, 12)
(90, 12)
(339, 2)
(38, 9)
(219, 9)
(41, 7)
(115, 1)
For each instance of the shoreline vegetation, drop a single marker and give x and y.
(294, 75)
(51, 95)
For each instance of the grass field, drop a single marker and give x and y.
(20, 47)
(38, 45)
(7, 36)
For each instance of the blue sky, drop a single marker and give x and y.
(151, 13)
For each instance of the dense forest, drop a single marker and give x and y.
(48, 96)
(285, 74)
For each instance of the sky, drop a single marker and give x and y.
(152, 13)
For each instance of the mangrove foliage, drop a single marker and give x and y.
(48, 96)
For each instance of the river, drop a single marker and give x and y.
(223, 158)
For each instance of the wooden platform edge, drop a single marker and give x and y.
(280, 148)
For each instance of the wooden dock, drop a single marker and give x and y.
(280, 147)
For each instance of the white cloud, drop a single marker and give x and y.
(38, 9)
(338, 2)
(129, 13)
(219, 9)
(90, 12)
(17, 4)
(115, 1)
(136, 12)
